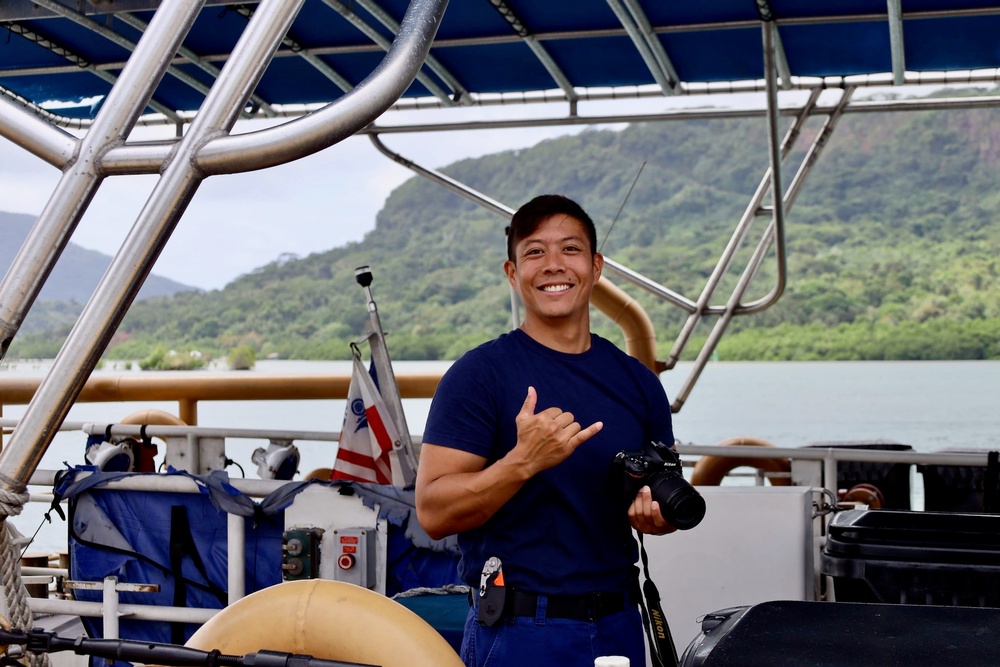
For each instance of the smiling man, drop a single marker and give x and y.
(516, 457)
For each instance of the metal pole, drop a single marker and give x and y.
(340, 119)
(830, 474)
(109, 608)
(701, 307)
(444, 180)
(236, 543)
(462, 190)
(723, 322)
(810, 159)
(83, 175)
(166, 204)
(651, 286)
(777, 193)
(387, 380)
(54, 145)
(138, 612)
(896, 48)
(777, 222)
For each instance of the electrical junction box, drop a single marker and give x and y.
(354, 552)
(300, 553)
(331, 510)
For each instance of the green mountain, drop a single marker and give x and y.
(72, 281)
(893, 247)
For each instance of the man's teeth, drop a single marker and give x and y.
(555, 288)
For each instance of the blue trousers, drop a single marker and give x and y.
(523, 641)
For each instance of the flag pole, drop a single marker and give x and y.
(387, 379)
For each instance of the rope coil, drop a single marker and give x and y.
(11, 543)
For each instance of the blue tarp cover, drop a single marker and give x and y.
(178, 542)
(174, 540)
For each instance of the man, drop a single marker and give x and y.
(516, 456)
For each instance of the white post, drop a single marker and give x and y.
(237, 557)
(109, 608)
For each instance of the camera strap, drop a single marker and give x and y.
(662, 652)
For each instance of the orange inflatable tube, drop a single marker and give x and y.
(710, 470)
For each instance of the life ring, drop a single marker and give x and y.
(146, 451)
(319, 473)
(710, 470)
(154, 417)
(326, 619)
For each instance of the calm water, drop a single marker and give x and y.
(928, 405)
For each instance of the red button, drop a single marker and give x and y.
(346, 561)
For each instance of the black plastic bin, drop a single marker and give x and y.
(822, 634)
(892, 479)
(917, 558)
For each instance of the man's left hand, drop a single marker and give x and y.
(644, 515)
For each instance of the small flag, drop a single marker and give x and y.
(368, 434)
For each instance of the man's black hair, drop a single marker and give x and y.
(530, 216)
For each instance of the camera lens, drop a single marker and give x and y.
(680, 503)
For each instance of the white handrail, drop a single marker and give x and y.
(828, 455)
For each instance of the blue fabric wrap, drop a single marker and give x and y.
(127, 534)
(564, 531)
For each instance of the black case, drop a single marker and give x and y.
(822, 634)
(914, 558)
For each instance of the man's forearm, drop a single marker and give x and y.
(459, 501)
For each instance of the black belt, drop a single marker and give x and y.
(586, 607)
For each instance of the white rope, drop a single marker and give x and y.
(11, 503)
(11, 543)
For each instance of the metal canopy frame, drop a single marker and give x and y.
(500, 51)
(336, 66)
(207, 148)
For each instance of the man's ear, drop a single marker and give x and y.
(598, 265)
(511, 270)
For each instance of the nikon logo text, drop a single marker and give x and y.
(658, 621)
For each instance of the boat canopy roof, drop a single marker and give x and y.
(105, 65)
(62, 57)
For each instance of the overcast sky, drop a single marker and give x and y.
(239, 222)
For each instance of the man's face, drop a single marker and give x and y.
(553, 269)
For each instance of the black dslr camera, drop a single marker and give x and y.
(658, 467)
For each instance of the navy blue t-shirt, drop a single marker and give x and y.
(565, 531)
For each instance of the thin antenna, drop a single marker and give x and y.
(620, 208)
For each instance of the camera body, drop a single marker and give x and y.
(658, 467)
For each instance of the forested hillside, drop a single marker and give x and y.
(893, 248)
(71, 282)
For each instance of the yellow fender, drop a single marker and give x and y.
(326, 619)
(710, 470)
